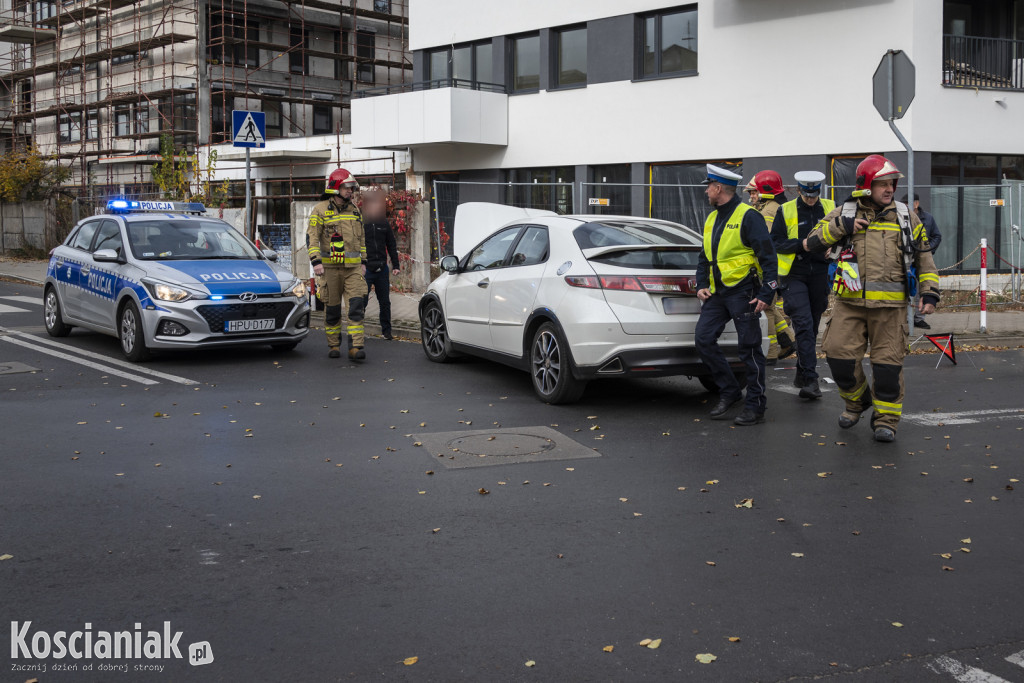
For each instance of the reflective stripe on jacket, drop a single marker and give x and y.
(335, 236)
(732, 259)
(879, 250)
(789, 213)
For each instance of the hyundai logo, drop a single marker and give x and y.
(247, 296)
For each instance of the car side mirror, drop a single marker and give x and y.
(270, 254)
(450, 264)
(105, 256)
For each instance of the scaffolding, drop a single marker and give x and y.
(96, 84)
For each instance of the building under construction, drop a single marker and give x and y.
(96, 84)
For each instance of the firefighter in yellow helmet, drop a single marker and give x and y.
(767, 195)
(337, 253)
(883, 260)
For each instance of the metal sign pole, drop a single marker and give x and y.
(437, 222)
(910, 164)
(248, 194)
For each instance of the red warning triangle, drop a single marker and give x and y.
(944, 342)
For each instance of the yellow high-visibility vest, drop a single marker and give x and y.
(789, 213)
(735, 259)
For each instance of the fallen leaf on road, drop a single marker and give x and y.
(711, 482)
(531, 663)
(824, 474)
(608, 648)
(654, 644)
(734, 639)
(645, 642)
(746, 503)
(595, 428)
(591, 417)
(482, 491)
(855, 533)
(257, 497)
(969, 480)
(434, 531)
(946, 568)
(570, 469)
(680, 488)
(945, 556)
(547, 483)
(502, 483)
(83, 423)
(422, 493)
(780, 519)
(156, 465)
(709, 563)
(897, 624)
(409, 661)
(430, 471)
(666, 434)
(418, 443)
(965, 550)
(965, 540)
(403, 411)
(6, 556)
(638, 514)
(706, 658)
(623, 500)
(119, 474)
(797, 554)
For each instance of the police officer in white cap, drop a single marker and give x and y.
(804, 275)
(736, 280)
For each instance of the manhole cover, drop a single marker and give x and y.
(501, 446)
(14, 368)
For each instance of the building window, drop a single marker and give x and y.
(570, 52)
(71, 127)
(92, 125)
(218, 119)
(383, 6)
(668, 43)
(526, 63)
(298, 59)
(471, 64)
(123, 120)
(25, 97)
(323, 119)
(122, 59)
(366, 53)
(272, 112)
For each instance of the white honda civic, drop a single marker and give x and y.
(569, 298)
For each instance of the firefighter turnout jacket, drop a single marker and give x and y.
(737, 251)
(335, 235)
(797, 220)
(882, 264)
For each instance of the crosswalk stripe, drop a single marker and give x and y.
(35, 300)
(12, 309)
(963, 673)
(81, 361)
(105, 359)
(1017, 658)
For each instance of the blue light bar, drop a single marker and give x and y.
(132, 206)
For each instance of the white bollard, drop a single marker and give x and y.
(983, 290)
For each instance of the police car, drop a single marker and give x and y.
(161, 275)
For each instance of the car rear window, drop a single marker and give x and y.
(659, 245)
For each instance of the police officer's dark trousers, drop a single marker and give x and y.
(805, 299)
(715, 313)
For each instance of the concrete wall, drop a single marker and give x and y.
(28, 224)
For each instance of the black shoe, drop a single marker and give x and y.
(749, 417)
(334, 352)
(810, 389)
(722, 407)
(922, 324)
(387, 335)
(356, 353)
(847, 420)
(798, 379)
(884, 434)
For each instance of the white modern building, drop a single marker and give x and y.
(634, 94)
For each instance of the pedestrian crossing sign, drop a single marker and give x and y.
(248, 128)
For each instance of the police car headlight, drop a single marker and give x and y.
(299, 290)
(170, 292)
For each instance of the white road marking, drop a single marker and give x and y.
(1017, 658)
(81, 361)
(12, 309)
(100, 356)
(963, 673)
(36, 300)
(964, 417)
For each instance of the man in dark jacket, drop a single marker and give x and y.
(380, 246)
(934, 237)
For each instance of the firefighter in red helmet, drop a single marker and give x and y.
(767, 195)
(883, 260)
(337, 253)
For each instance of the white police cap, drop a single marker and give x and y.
(809, 182)
(717, 174)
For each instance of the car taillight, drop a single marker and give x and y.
(660, 284)
(585, 281)
(626, 283)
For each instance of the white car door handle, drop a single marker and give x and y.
(484, 282)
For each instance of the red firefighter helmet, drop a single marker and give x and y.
(769, 184)
(874, 167)
(340, 178)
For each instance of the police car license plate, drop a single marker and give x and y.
(248, 325)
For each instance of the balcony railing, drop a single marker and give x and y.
(430, 85)
(976, 62)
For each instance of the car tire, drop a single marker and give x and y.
(284, 348)
(437, 346)
(551, 367)
(131, 334)
(52, 315)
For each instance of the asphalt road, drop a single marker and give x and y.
(278, 509)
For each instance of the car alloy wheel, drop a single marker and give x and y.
(55, 325)
(551, 369)
(434, 334)
(133, 342)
